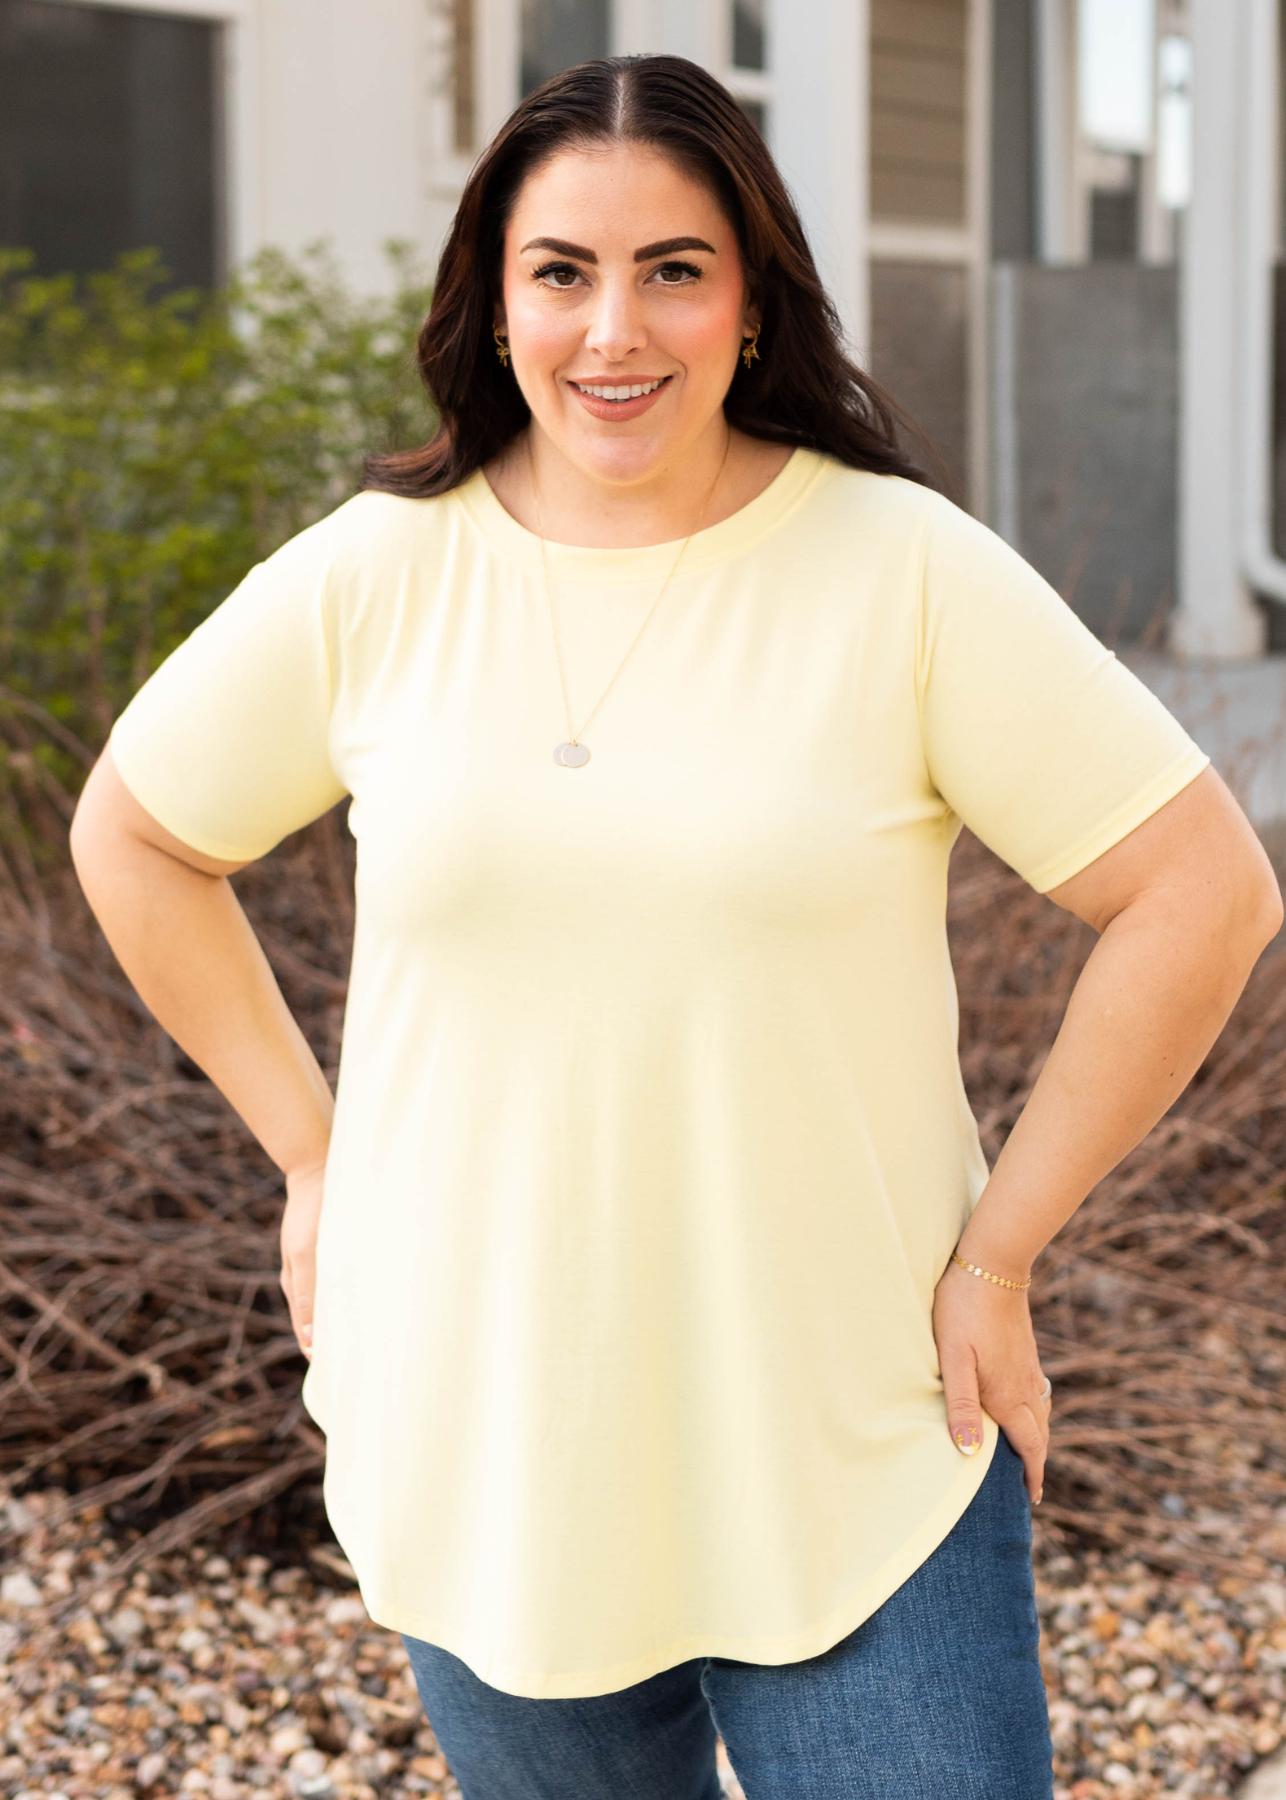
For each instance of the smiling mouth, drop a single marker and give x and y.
(619, 391)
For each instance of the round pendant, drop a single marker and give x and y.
(571, 756)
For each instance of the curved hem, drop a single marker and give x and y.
(1177, 775)
(797, 1647)
(195, 840)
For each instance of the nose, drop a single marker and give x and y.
(616, 326)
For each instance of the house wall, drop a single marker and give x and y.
(1089, 368)
(924, 232)
(1013, 188)
(919, 352)
(918, 89)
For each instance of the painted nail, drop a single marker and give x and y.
(969, 1440)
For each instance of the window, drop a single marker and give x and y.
(107, 137)
(1174, 122)
(746, 76)
(748, 34)
(1115, 70)
(557, 34)
(1114, 221)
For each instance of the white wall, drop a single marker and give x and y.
(819, 132)
(339, 133)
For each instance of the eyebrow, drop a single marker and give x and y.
(666, 247)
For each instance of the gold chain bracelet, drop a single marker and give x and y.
(986, 1275)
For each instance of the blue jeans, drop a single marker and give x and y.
(937, 1696)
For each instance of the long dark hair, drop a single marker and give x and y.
(804, 389)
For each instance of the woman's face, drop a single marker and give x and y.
(621, 273)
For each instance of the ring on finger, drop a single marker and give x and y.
(1047, 1390)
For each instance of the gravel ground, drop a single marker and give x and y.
(245, 1679)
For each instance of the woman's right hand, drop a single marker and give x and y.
(299, 1248)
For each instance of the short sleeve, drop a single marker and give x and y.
(225, 745)
(1046, 746)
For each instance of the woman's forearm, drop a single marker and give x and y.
(1151, 1000)
(183, 940)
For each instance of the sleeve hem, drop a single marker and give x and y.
(1171, 781)
(195, 840)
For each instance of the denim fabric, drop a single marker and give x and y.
(937, 1696)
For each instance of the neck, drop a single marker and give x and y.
(570, 506)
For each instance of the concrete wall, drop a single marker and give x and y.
(919, 353)
(1085, 380)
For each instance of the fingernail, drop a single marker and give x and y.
(1039, 1496)
(306, 1333)
(969, 1440)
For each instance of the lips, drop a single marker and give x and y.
(619, 401)
(619, 392)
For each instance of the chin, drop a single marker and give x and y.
(622, 459)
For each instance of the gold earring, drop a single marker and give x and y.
(750, 347)
(502, 345)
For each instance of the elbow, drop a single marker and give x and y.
(78, 830)
(77, 834)
(1269, 912)
(85, 836)
(1256, 912)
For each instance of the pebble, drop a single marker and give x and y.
(235, 1679)
(19, 1589)
(200, 1676)
(1158, 1684)
(150, 1769)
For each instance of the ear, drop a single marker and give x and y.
(498, 315)
(752, 312)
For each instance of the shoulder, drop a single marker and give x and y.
(369, 528)
(942, 537)
(892, 516)
(892, 501)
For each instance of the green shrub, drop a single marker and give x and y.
(155, 444)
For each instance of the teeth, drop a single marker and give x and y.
(602, 392)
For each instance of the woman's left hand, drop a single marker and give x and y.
(990, 1363)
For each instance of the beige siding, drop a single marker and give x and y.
(918, 110)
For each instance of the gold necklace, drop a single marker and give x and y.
(573, 754)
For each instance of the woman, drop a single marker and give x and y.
(670, 1339)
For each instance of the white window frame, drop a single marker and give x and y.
(497, 56)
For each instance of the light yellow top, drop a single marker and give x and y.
(650, 1141)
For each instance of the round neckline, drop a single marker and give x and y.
(643, 562)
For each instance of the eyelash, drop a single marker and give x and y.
(559, 268)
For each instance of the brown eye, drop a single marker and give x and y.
(552, 273)
(676, 274)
